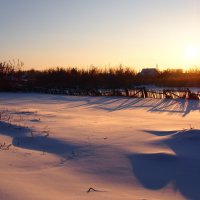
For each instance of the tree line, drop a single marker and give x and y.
(13, 78)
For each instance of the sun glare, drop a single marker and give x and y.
(192, 53)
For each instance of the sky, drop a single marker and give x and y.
(83, 33)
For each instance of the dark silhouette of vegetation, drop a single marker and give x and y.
(9, 74)
(13, 78)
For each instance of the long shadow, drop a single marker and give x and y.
(111, 104)
(96, 101)
(154, 170)
(180, 106)
(86, 156)
(22, 138)
(172, 106)
(180, 168)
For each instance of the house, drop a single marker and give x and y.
(149, 72)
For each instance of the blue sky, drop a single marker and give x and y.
(138, 33)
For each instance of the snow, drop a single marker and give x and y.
(123, 148)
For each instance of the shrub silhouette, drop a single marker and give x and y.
(13, 78)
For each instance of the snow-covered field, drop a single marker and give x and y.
(137, 149)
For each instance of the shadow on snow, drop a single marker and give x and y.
(180, 168)
(110, 104)
(154, 171)
(21, 137)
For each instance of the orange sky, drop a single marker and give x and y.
(134, 33)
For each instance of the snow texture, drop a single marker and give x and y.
(60, 147)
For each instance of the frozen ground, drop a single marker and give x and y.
(138, 149)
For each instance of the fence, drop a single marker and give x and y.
(132, 93)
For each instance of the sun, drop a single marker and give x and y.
(192, 53)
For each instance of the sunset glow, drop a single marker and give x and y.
(81, 33)
(100, 99)
(192, 53)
